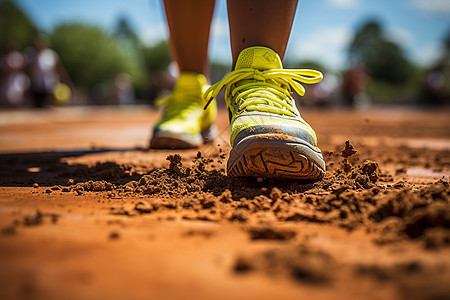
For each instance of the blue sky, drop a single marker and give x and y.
(322, 28)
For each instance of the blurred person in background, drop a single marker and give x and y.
(324, 92)
(122, 92)
(268, 136)
(161, 83)
(354, 84)
(13, 80)
(436, 86)
(46, 74)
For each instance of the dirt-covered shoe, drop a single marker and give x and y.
(185, 123)
(268, 136)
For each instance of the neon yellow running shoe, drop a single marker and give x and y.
(268, 136)
(185, 124)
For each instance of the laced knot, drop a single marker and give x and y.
(259, 75)
(267, 90)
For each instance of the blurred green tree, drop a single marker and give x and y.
(383, 59)
(445, 58)
(436, 78)
(92, 56)
(15, 25)
(157, 57)
(124, 31)
(154, 60)
(129, 42)
(305, 64)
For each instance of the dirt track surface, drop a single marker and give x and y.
(86, 212)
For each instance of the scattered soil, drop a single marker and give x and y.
(377, 225)
(349, 196)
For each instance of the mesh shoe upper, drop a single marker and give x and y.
(183, 112)
(258, 96)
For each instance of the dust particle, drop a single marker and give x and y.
(175, 164)
(240, 215)
(349, 150)
(114, 236)
(275, 194)
(269, 233)
(242, 265)
(9, 230)
(144, 207)
(34, 220)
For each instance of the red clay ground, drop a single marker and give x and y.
(86, 212)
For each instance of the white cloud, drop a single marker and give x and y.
(153, 34)
(327, 45)
(428, 54)
(400, 35)
(219, 28)
(343, 4)
(219, 44)
(435, 6)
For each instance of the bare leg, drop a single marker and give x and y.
(260, 23)
(189, 24)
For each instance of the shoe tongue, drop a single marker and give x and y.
(191, 83)
(261, 58)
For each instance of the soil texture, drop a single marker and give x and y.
(88, 212)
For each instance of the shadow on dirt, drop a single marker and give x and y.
(48, 168)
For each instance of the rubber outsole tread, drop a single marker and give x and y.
(275, 159)
(301, 168)
(165, 140)
(172, 143)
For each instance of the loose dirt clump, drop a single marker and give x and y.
(271, 233)
(32, 220)
(302, 263)
(350, 196)
(348, 150)
(417, 211)
(346, 153)
(354, 197)
(376, 226)
(354, 194)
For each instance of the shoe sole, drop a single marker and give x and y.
(275, 156)
(168, 140)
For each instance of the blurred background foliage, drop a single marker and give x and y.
(15, 25)
(383, 59)
(93, 57)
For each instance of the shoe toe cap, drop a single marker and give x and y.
(290, 130)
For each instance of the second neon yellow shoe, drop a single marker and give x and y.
(269, 138)
(185, 123)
